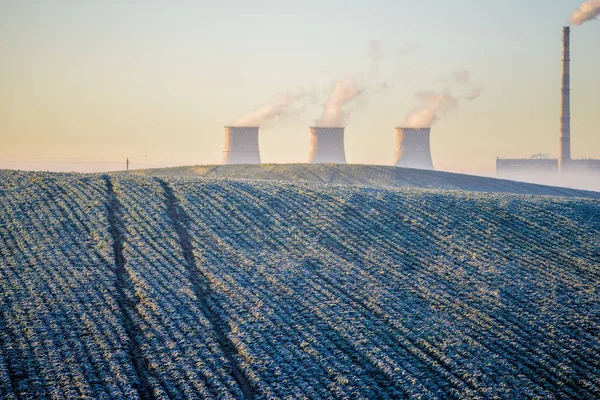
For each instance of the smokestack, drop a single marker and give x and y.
(241, 145)
(565, 118)
(327, 145)
(412, 148)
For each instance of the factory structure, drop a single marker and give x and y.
(517, 168)
(413, 144)
(241, 145)
(327, 146)
(412, 148)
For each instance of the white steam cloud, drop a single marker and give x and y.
(463, 78)
(406, 48)
(348, 90)
(281, 106)
(375, 52)
(342, 93)
(587, 12)
(433, 105)
(375, 55)
(474, 93)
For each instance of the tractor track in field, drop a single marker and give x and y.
(202, 290)
(127, 306)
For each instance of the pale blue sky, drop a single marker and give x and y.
(92, 80)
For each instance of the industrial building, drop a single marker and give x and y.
(412, 148)
(564, 165)
(327, 145)
(241, 145)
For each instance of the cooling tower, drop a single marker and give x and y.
(565, 117)
(412, 148)
(327, 146)
(241, 145)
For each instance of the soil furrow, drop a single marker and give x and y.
(202, 289)
(124, 285)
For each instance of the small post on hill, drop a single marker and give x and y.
(127, 164)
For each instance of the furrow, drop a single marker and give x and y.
(124, 286)
(203, 291)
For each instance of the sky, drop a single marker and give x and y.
(84, 84)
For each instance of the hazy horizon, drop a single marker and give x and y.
(84, 85)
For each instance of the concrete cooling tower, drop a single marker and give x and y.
(412, 148)
(327, 146)
(241, 145)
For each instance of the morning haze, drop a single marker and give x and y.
(86, 84)
(320, 200)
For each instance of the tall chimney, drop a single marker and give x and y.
(241, 145)
(412, 148)
(565, 117)
(327, 146)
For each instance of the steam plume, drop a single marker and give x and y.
(588, 11)
(279, 107)
(349, 89)
(375, 52)
(406, 48)
(474, 93)
(463, 79)
(342, 93)
(432, 106)
(375, 55)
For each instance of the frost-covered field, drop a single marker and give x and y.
(368, 175)
(164, 287)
